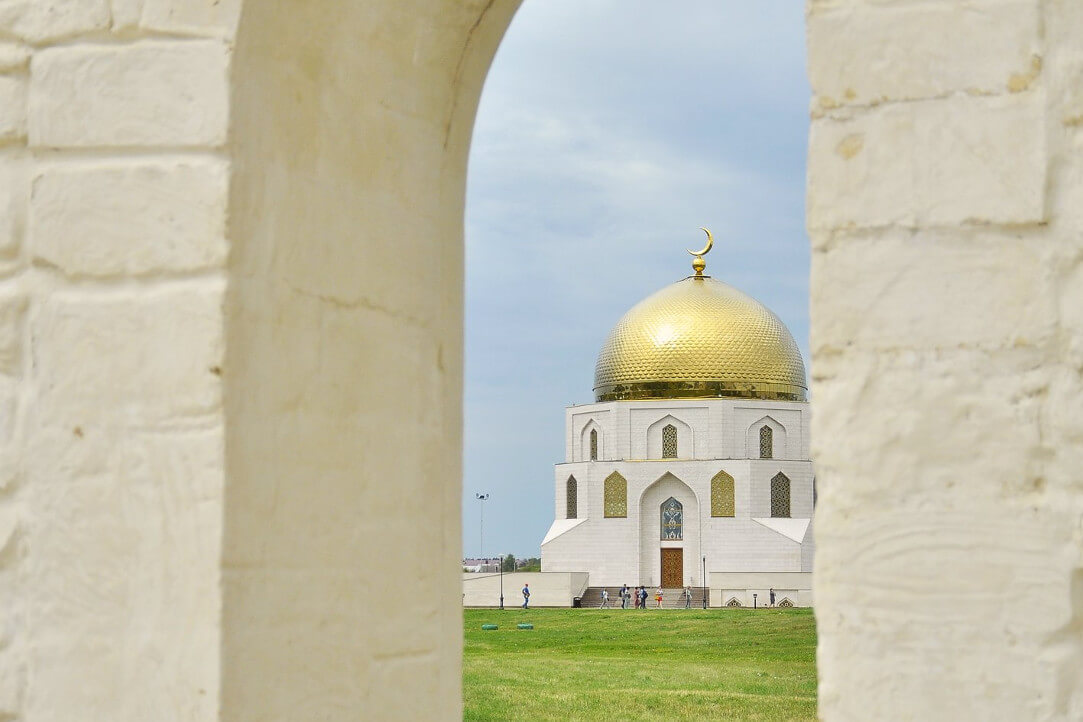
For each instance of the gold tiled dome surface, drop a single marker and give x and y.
(699, 338)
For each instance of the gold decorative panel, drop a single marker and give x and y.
(594, 444)
(733, 602)
(573, 498)
(700, 338)
(616, 496)
(767, 442)
(669, 442)
(780, 496)
(785, 604)
(722, 503)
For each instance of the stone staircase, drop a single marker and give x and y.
(671, 598)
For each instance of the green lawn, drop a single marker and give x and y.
(586, 664)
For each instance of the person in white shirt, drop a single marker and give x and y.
(605, 599)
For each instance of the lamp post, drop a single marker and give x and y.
(481, 524)
(704, 580)
(754, 606)
(501, 568)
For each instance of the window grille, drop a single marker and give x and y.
(767, 442)
(573, 498)
(722, 495)
(615, 503)
(780, 496)
(594, 444)
(669, 442)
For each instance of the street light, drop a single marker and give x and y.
(704, 580)
(482, 498)
(481, 524)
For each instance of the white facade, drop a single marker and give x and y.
(712, 436)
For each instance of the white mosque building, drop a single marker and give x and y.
(692, 466)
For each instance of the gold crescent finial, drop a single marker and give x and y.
(698, 263)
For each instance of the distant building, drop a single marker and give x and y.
(695, 455)
(481, 565)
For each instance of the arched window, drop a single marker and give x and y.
(767, 442)
(722, 495)
(672, 520)
(669, 442)
(573, 498)
(615, 503)
(594, 444)
(780, 496)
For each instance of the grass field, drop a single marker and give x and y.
(585, 664)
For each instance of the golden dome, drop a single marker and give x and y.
(699, 338)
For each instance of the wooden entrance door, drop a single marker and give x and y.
(672, 568)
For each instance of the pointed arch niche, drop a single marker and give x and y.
(669, 438)
(775, 438)
(591, 442)
(669, 499)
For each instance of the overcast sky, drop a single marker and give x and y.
(609, 130)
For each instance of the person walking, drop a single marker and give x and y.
(526, 596)
(772, 596)
(658, 597)
(643, 597)
(624, 597)
(688, 597)
(605, 599)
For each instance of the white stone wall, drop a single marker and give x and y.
(230, 252)
(945, 176)
(794, 586)
(113, 206)
(720, 428)
(547, 589)
(625, 550)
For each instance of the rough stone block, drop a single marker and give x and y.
(130, 219)
(171, 93)
(12, 323)
(217, 17)
(929, 163)
(124, 629)
(13, 56)
(126, 14)
(862, 54)
(13, 201)
(130, 357)
(43, 20)
(12, 108)
(897, 427)
(863, 292)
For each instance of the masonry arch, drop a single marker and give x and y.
(350, 129)
(591, 442)
(666, 495)
(295, 398)
(656, 438)
(754, 436)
